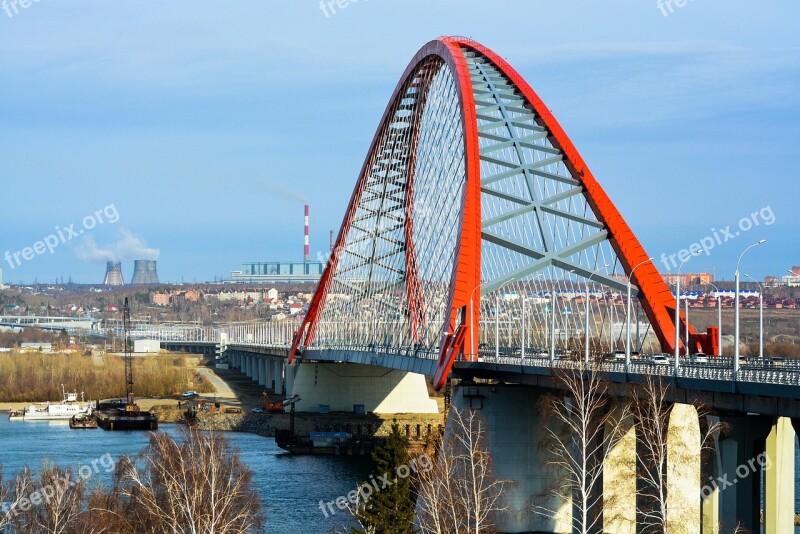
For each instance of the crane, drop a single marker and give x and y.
(130, 401)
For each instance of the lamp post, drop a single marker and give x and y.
(471, 315)
(760, 317)
(586, 313)
(736, 309)
(522, 333)
(678, 313)
(628, 316)
(719, 320)
(496, 314)
(552, 325)
(553, 322)
(686, 318)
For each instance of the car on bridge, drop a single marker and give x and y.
(660, 359)
(189, 394)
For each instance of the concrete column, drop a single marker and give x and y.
(779, 479)
(289, 371)
(710, 493)
(262, 371)
(515, 438)
(683, 470)
(278, 376)
(619, 473)
(740, 446)
(268, 374)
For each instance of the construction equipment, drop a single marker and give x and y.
(270, 406)
(130, 401)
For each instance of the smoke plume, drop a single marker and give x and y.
(128, 247)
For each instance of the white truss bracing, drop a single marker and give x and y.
(539, 235)
(542, 247)
(391, 284)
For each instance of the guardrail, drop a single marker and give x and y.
(767, 371)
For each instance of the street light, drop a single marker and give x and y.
(736, 309)
(686, 318)
(553, 322)
(522, 334)
(586, 313)
(472, 315)
(678, 313)
(760, 317)
(628, 315)
(719, 320)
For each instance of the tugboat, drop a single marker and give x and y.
(82, 421)
(119, 415)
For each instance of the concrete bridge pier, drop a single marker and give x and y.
(737, 473)
(683, 470)
(779, 478)
(262, 372)
(342, 387)
(619, 473)
(516, 440)
(277, 375)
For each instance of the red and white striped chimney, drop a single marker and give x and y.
(306, 248)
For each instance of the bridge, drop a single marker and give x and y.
(69, 324)
(478, 245)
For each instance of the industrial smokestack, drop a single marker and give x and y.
(306, 248)
(144, 272)
(113, 274)
(331, 241)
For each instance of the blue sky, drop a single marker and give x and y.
(195, 119)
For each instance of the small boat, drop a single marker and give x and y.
(82, 421)
(53, 411)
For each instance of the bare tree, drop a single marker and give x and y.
(581, 434)
(460, 493)
(6, 502)
(652, 412)
(652, 415)
(195, 486)
(48, 504)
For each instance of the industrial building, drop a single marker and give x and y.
(278, 271)
(284, 271)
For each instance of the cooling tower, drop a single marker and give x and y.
(113, 274)
(144, 272)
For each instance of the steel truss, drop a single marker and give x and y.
(474, 224)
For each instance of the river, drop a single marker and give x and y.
(290, 486)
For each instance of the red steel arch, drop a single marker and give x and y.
(657, 300)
